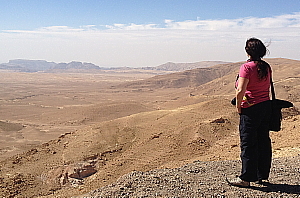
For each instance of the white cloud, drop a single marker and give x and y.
(132, 26)
(59, 29)
(153, 44)
(244, 23)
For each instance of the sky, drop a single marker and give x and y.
(136, 33)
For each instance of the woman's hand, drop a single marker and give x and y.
(239, 109)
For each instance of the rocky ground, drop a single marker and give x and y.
(204, 179)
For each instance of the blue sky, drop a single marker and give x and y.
(145, 32)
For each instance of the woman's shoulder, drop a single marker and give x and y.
(249, 65)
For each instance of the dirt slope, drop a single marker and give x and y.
(189, 78)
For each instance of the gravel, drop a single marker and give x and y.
(204, 179)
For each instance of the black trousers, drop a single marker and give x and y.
(256, 151)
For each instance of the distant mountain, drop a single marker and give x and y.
(27, 65)
(75, 65)
(23, 65)
(184, 66)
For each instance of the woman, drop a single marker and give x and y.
(253, 105)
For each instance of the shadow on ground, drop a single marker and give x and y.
(280, 188)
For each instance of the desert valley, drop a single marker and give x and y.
(70, 129)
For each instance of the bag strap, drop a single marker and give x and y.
(272, 89)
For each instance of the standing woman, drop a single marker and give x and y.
(254, 106)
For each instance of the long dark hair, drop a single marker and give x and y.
(257, 50)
